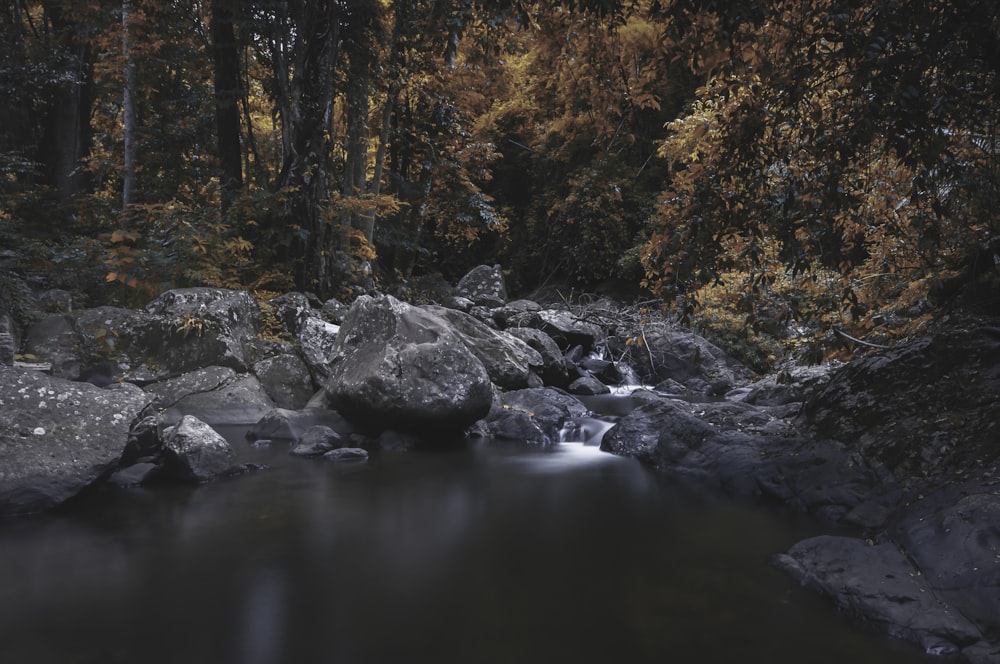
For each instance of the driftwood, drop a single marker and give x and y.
(844, 336)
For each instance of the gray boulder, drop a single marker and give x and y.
(59, 437)
(588, 386)
(197, 327)
(291, 425)
(286, 379)
(688, 359)
(316, 340)
(217, 395)
(195, 452)
(317, 440)
(536, 415)
(291, 310)
(517, 313)
(509, 361)
(401, 367)
(953, 537)
(347, 454)
(567, 329)
(878, 586)
(483, 285)
(556, 370)
(749, 453)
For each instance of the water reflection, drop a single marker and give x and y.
(494, 553)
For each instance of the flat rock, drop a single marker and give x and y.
(58, 437)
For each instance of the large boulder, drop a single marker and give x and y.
(688, 359)
(536, 415)
(924, 409)
(316, 340)
(567, 329)
(483, 285)
(58, 437)
(878, 586)
(179, 331)
(557, 370)
(953, 537)
(749, 453)
(195, 452)
(217, 395)
(197, 327)
(510, 362)
(401, 367)
(286, 379)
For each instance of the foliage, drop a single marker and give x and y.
(770, 166)
(829, 137)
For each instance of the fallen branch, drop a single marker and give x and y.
(844, 336)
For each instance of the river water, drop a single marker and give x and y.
(492, 553)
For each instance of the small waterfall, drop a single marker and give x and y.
(585, 430)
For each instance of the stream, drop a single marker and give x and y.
(495, 552)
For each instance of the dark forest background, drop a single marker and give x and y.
(773, 164)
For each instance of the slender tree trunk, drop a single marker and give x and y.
(305, 175)
(67, 122)
(226, 58)
(128, 111)
(383, 142)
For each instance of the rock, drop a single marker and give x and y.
(286, 379)
(605, 371)
(953, 537)
(196, 327)
(316, 341)
(534, 414)
(518, 313)
(217, 395)
(134, 475)
(556, 370)
(334, 310)
(401, 367)
(53, 339)
(509, 361)
(317, 440)
(291, 425)
(291, 309)
(353, 454)
(588, 386)
(195, 452)
(924, 409)
(746, 452)
(686, 358)
(879, 587)
(484, 285)
(143, 441)
(58, 437)
(567, 329)
(516, 424)
(793, 384)
(7, 349)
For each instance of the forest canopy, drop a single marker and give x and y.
(795, 162)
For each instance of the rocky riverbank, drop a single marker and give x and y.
(899, 446)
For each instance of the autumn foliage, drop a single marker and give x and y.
(792, 163)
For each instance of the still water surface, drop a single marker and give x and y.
(496, 553)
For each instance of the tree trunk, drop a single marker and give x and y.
(66, 128)
(305, 176)
(225, 56)
(128, 112)
(383, 141)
